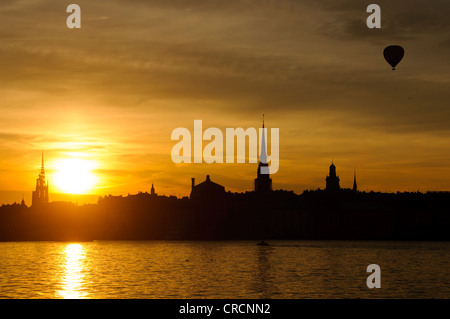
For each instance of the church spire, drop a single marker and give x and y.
(263, 156)
(263, 182)
(355, 188)
(152, 190)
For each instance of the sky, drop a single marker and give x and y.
(112, 92)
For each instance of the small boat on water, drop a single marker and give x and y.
(262, 243)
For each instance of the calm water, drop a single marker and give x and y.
(167, 269)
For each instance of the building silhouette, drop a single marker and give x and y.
(332, 179)
(211, 213)
(207, 190)
(40, 195)
(22, 203)
(208, 210)
(263, 182)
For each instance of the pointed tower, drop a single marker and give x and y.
(332, 179)
(40, 195)
(355, 188)
(22, 203)
(152, 191)
(263, 182)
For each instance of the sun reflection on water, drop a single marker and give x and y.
(73, 278)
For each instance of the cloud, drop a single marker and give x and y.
(249, 57)
(404, 19)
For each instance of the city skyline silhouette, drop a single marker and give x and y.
(332, 181)
(262, 183)
(212, 213)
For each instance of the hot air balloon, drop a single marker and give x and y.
(393, 55)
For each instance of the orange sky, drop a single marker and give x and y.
(113, 91)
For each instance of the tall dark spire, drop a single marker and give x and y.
(263, 156)
(263, 182)
(355, 188)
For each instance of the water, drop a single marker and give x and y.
(169, 269)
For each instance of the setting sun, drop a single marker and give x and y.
(74, 176)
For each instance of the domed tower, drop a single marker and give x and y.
(332, 179)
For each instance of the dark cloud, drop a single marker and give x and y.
(401, 20)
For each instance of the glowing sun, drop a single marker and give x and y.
(74, 176)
